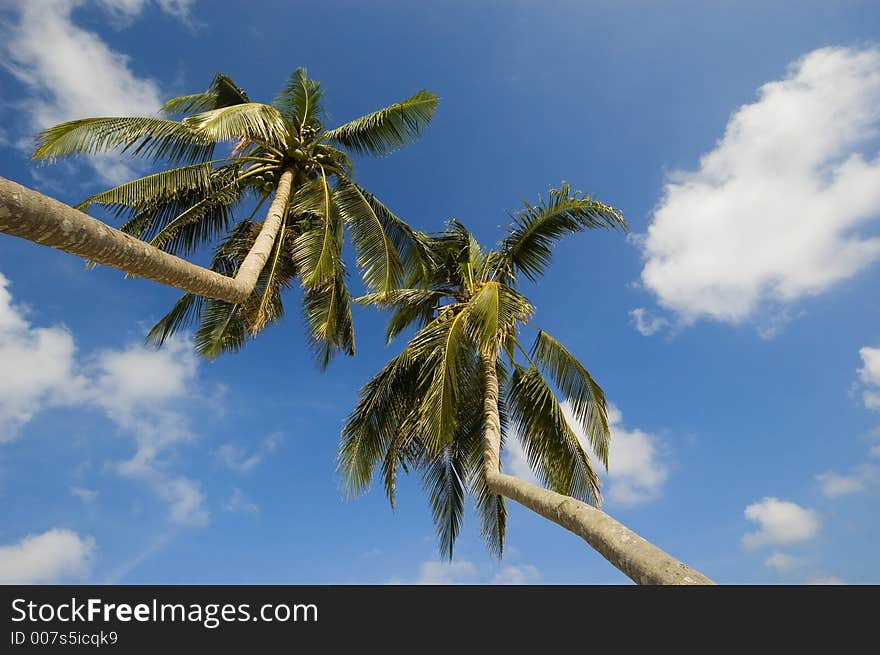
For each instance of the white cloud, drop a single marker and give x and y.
(774, 212)
(782, 562)
(37, 370)
(870, 372)
(184, 498)
(465, 572)
(443, 573)
(240, 460)
(823, 579)
(46, 558)
(515, 461)
(517, 575)
(238, 502)
(780, 522)
(869, 375)
(636, 472)
(834, 485)
(71, 72)
(646, 323)
(139, 389)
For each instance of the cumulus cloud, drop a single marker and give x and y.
(636, 470)
(823, 579)
(38, 367)
(780, 522)
(869, 375)
(70, 72)
(777, 210)
(46, 558)
(139, 389)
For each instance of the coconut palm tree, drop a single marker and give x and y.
(281, 155)
(465, 385)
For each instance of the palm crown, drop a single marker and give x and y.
(425, 409)
(278, 149)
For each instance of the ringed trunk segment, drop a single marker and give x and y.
(30, 215)
(634, 556)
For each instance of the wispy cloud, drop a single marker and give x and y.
(71, 72)
(142, 391)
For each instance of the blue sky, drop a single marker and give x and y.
(735, 329)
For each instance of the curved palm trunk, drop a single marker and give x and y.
(637, 558)
(31, 215)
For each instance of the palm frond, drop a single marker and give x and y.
(411, 307)
(327, 311)
(377, 420)
(155, 188)
(443, 479)
(206, 216)
(223, 92)
(528, 246)
(300, 100)
(377, 255)
(586, 398)
(318, 251)
(551, 447)
(185, 312)
(221, 329)
(252, 121)
(388, 129)
(148, 137)
(443, 344)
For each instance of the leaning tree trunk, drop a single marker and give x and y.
(637, 558)
(31, 215)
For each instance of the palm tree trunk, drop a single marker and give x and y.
(31, 215)
(637, 558)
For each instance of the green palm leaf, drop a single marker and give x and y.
(328, 318)
(155, 188)
(586, 398)
(551, 447)
(223, 92)
(149, 137)
(300, 100)
(318, 251)
(383, 405)
(528, 246)
(253, 121)
(378, 260)
(388, 129)
(442, 344)
(443, 479)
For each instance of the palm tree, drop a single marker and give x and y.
(464, 385)
(280, 154)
